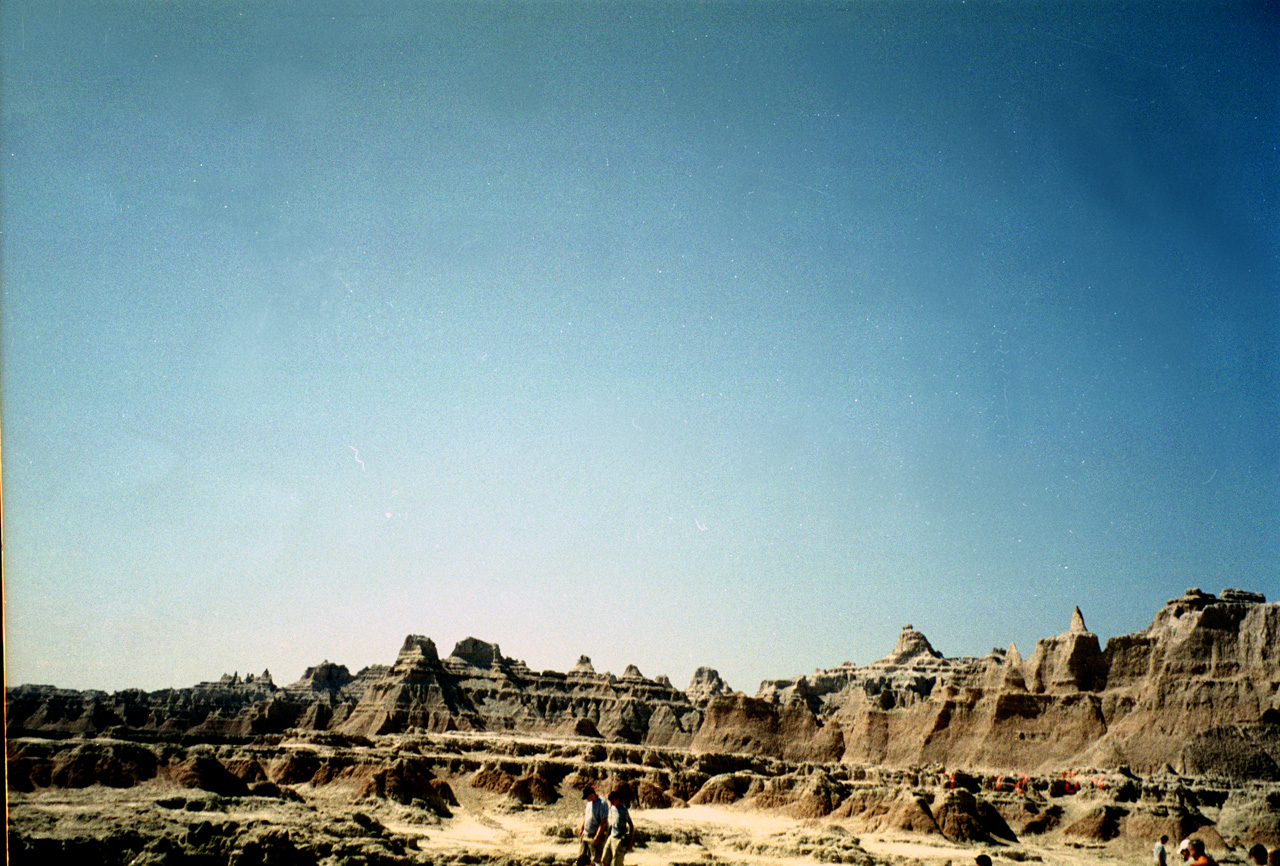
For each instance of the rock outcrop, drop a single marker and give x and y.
(1198, 691)
(705, 685)
(1174, 730)
(1204, 668)
(477, 688)
(106, 800)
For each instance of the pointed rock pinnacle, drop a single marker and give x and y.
(1077, 621)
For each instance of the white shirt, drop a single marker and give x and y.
(596, 814)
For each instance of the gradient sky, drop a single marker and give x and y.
(674, 334)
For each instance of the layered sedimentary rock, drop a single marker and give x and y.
(478, 688)
(705, 685)
(475, 688)
(230, 706)
(1198, 691)
(104, 800)
(1206, 668)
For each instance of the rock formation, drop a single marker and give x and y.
(1198, 691)
(911, 645)
(1183, 719)
(705, 685)
(477, 688)
(105, 800)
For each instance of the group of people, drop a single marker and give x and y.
(606, 833)
(1193, 854)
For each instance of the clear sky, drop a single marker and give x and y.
(675, 334)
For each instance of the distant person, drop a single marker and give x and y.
(622, 833)
(982, 860)
(1258, 854)
(1160, 856)
(1184, 850)
(1198, 855)
(591, 832)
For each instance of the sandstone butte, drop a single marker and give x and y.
(1197, 693)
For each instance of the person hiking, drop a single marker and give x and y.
(622, 833)
(591, 831)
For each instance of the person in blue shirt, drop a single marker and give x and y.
(622, 833)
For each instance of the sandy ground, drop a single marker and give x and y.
(484, 825)
(727, 834)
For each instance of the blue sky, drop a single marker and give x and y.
(673, 334)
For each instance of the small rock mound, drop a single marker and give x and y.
(962, 817)
(534, 789)
(208, 774)
(1101, 824)
(719, 790)
(911, 646)
(294, 767)
(580, 728)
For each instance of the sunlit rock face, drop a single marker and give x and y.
(1206, 671)
(477, 688)
(705, 685)
(1199, 688)
(1198, 691)
(1068, 663)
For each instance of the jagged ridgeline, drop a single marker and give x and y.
(1197, 692)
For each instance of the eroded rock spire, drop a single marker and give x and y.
(1077, 621)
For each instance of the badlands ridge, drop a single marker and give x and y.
(1173, 729)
